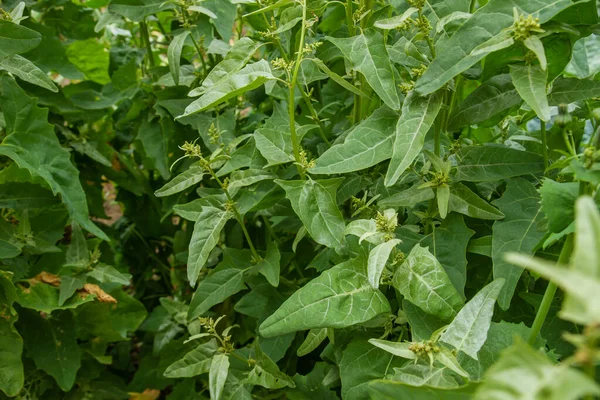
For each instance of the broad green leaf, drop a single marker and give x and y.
(111, 322)
(270, 266)
(586, 252)
(11, 345)
(28, 71)
(69, 284)
(367, 144)
(422, 374)
(399, 349)
(482, 246)
(418, 115)
(459, 52)
(273, 139)
(107, 274)
(248, 78)
(524, 373)
(20, 195)
(530, 83)
(493, 163)
(338, 298)
(442, 195)
(421, 279)
(32, 144)
(226, 280)
(314, 202)
(585, 61)
(365, 229)
(194, 363)
(266, 373)
(378, 258)
(313, 339)
(174, 54)
(43, 297)
(207, 231)
(558, 203)
(10, 246)
(52, 343)
(464, 201)
(137, 10)
(90, 57)
(565, 91)
(468, 331)
(156, 145)
(518, 231)
(219, 368)
(422, 325)
(367, 54)
(16, 39)
(184, 180)
(242, 51)
(392, 390)
(77, 253)
(247, 177)
(226, 15)
(534, 44)
(407, 198)
(362, 362)
(395, 22)
(496, 95)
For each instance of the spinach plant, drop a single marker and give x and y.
(299, 199)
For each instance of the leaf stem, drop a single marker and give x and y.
(292, 98)
(146, 40)
(472, 6)
(542, 312)
(544, 144)
(314, 115)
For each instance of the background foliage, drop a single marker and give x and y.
(299, 199)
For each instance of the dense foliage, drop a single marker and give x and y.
(299, 199)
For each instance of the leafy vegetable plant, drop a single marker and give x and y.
(299, 199)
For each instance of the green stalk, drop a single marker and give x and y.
(292, 99)
(542, 313)
(472, 6)
(544, 144)
(314, 115)
(146, 40)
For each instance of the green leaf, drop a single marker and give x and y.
(20, 195)
(442, 195)
(530, 82)
(184, 180)
(585, 61)
(565, 91)
(91, 59)
(219, 368)
(338, 79)
(247, 177)
(174, 54)
(269, 266)
(496, 95)
(137, 10)
(493, 163)
(43, 297)
(396, 21)
(156, 146)
(392, 390)
(16, 39)
(106, 274)
(460, 51)
(422, 325)
(367, 54)
(399, 349)
(464, 201)
(273, 139)
(52, 343)
(367, 144)
(558, 203)
(524, 373)
(586, 252)
(207, 231)
(421, 279)
(482, 246)
(407, 198)
(194, 363)
(313, 339)
(11, 345)
(248, 78)
(32, 144)
(518, 231)
(314, 202)
(77, 253)
(10, 246)
(418, 115)
(378, 258)
(468, 331)
(338, 298)
(534, 44)
(266, 373)
(28, 71)
(226, 280)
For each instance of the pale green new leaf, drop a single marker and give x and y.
(207, 230)
(107, 274)
(367, 144)
(493, 163)
(418, 115)
(367, 54)
(586, 251)
(530, 82)
(378, 258)
(194, 363)
(464, 201)
(518, 231)
(395, 22)
(422, 280)
(407, 198)
(399, 349)
(174, 54)
(340, 297)
(219, 368)
(534, 44)
(248, 78)
(314, 202)
(32, 144)
(184, 180)
(28, 71)
(313, 339)
(468, 330)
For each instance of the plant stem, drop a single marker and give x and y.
(472, 6)
(542, 313)
(146, 40)
(427, 37)
(349, 18)
(292, 98)
(544, 145)
(568, 141)
(314, 115)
